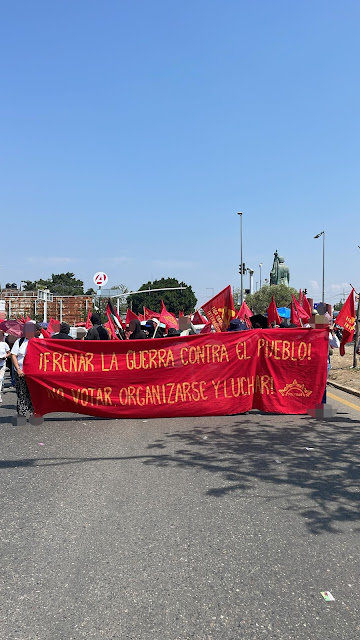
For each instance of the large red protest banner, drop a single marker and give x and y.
(274, 370)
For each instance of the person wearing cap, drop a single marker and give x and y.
(63, 333)
(4, 354)
(237, 325)
(18, 354)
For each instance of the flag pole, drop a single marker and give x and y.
(356, 334)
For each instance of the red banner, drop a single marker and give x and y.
(274, 370)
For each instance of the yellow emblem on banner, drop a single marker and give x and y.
(295, 389)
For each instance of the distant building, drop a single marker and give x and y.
(70, 309)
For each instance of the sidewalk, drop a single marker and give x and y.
(341, 375)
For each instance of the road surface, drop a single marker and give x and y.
(195, 528)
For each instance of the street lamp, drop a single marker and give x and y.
(240, 213)
(322, 233)
(260, 265)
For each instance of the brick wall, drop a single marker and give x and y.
(25, 303)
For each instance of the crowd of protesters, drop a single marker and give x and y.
(13, 351)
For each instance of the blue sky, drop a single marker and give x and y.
(132, 133)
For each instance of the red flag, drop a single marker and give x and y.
(45, 333)
(300, 297)
(167, 318)
(245, 314)
(115, 318)
(306, 305)
(27, 319)
(220, 309)
(149, 315)
(207, 328)
(130, 315)
(108, 329)
(302, 314)
(53, 326)
(88, 324)
(110, 325)
(294, 318)
(346, 320)
(198, 318)
(181, 313)
(272, 313)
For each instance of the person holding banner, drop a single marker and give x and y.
(4, 354)
(18, 353)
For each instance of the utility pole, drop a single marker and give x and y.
(241, 261)
(356, 334)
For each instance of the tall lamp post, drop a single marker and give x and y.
(322, 233)
(260, 265)
(240, 213)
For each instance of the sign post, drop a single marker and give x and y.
(100, 278)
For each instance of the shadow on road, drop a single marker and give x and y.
(320, 459)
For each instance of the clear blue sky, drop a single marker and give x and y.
(132, 133)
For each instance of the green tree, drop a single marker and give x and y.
(260, 300)
(338, 306)
(61, 284)
(174, 300)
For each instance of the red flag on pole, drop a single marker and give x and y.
(245, 314)
(53, 326)
(88, 324)
(130, 315)
(346, 320)
(110, 327)
(300, 297)
(112, 314)
(220, 309)
(149, 315)
(302, 314)
(294, 318)
(306, 305)
(272, 313)
(207, 328)
(198, 318)
(167, 318)
(181, 313)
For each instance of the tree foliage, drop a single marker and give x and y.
(260, 300)
(174, 300)
(61, 284)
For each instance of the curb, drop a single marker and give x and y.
(353, 392)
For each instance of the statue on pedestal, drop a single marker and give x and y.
(279, 273)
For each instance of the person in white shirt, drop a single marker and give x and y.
(4, 354)
(18, 354)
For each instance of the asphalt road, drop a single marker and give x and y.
(174, 529)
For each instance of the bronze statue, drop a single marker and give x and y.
(279, 273)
